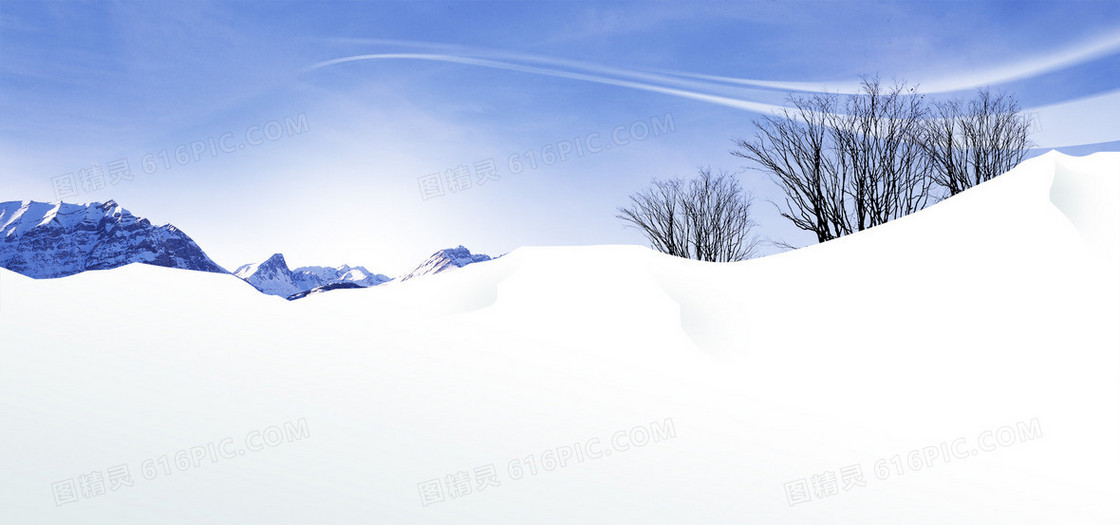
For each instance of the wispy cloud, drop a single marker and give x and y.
(733, 102)
(740, 93)
(993, 74)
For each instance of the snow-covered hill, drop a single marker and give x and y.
(43, 240)
(444, 260)
(958, 365)
(274, 278)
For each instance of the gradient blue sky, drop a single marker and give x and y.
(88, 84)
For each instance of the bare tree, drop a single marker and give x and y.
(659, 213)
(794, 147)
(971, 144)
(707, 218)
(719, 218)
(943, 136)
(845, 164)
(881, 161)
(998, 135)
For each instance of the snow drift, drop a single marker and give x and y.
(966, 359)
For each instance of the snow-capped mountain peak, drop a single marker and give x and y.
(446, 259)
(271, 267)
(44, 240)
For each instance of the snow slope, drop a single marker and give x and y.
(997, 309)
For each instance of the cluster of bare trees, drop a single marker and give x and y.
(844, 164)
(707, 218)
(850, 163)
(969, 144)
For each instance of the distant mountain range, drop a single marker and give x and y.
(274, 278)
(47, 240)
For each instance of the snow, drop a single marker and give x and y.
(996, 308)
(19, 217)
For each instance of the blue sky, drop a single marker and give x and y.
(234, 130)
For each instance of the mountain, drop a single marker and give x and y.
(447, 259)
(979, 335)
(45, 240)
(309, 277)
(274, 278)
